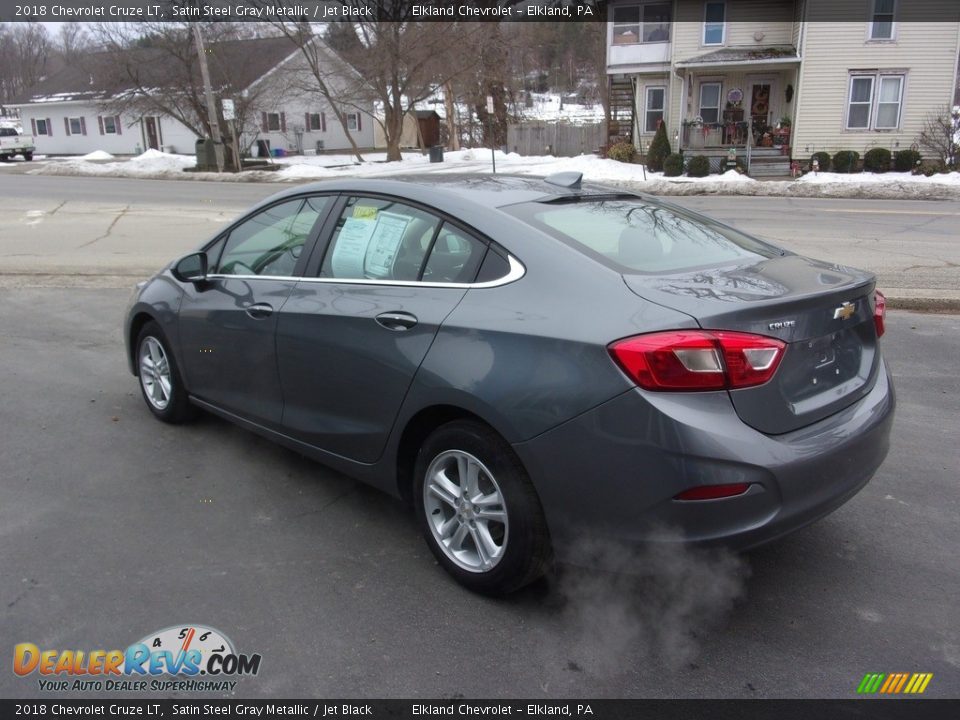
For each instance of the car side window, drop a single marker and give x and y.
(271, 242)
(379, 239)
(454, 258)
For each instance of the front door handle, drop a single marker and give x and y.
(397, 320)
(260, 311)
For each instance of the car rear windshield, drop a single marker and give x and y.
(632, 235)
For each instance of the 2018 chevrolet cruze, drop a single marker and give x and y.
(534, 364)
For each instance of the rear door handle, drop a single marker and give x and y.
(260, 311)
(397, 320)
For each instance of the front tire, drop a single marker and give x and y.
(160, 380)
(478, 511)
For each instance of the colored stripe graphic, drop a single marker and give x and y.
(894, 683)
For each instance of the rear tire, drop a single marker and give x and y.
(28, 156)
(160, 381)
(478, 510)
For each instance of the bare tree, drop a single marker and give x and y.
(25, 54)
(153, 68)
(332, 78)
(939, 136)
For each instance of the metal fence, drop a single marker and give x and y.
(560, 139)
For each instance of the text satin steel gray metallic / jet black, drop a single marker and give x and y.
(533, 364)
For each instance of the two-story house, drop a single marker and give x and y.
(780, 77)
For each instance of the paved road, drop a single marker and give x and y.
(107, 231)
(113, 525)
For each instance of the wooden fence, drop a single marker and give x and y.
(559, 139)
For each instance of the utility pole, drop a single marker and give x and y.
(208, 90)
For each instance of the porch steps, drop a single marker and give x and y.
(621, 110)
(769, 165)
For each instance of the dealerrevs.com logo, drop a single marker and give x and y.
(178, 658)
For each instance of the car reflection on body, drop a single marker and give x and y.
(531, 363)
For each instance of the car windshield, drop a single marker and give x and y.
(632, 236)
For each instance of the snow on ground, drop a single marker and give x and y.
(547, 107)
(97, 155)
(868, 178)
(155, 164)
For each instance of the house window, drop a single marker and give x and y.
(881, 22)
(656, 23)
(110, 125)
(710, 102)
(648, 23)
(273, 122)
(41, 127)
(714, 22)
(875, 102)
(353, 121)
(76, 126)
(654, 108)
(626, 25)
(314, 122)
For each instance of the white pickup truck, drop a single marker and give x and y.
(13, 143)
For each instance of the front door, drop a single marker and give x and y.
(228, 325)
(153, 137)
(761, 109)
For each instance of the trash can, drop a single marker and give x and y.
(436, 153)
(206, 155)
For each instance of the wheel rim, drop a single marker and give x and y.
(155, 373)
(466, 511)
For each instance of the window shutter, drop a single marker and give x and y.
(83, 125)
(323, 122)
(66, 125)
(49, 128)
(359, 126)
(283, 122)
(306, 122)
(263, 122)
(118, 125)
(100, 123)
(33, 126)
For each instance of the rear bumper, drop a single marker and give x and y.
(611, 474)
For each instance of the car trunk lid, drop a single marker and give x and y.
(823, 312)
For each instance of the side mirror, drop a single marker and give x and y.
(192, 268)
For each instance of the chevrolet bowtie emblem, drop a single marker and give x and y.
(844, 311)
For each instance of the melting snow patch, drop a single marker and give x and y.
(97, 155)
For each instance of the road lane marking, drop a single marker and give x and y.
(890, 212)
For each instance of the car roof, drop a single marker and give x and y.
(491, 191)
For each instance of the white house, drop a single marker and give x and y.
(71, 113)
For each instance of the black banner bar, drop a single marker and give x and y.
(402, 10)
(863, 709)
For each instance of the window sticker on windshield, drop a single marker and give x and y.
(364, 212)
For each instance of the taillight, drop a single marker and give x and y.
(698, 359)
(879, 312)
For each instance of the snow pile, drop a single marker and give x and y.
(152, 163)
(97, 155)
(868, 178)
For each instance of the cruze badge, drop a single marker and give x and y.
(844, 311)
(780, 324)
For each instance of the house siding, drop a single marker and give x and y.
(924, 52)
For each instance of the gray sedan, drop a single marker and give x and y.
(536, 365)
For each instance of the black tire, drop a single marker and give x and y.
(176, 407)
(28, 156)
(4, 158)
(525, 551)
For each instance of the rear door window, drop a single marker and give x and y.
(379, 239)
(454, 257)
